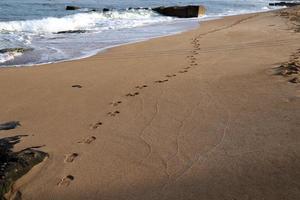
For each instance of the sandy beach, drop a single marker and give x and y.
(198, 115)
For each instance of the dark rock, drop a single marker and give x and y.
(295, 80)
(287, 4)
(18, 50)
(289, 68)
(71, 31)
(13, 165)
(105, 9)
(181, 11)
(72, 7)
(9, 125)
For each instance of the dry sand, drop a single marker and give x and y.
(198, 115)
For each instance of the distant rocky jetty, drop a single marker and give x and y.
(173, 11)
(283, 3)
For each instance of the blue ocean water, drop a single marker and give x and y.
(34, 24)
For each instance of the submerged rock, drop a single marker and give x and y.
(181, 11)
(71, 31)
(9, 125)
(11, 50)
(13, 165)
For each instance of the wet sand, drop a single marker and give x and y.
(199, 115)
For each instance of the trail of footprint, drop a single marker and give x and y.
(141, 87)
(88, 140)
(170, 75)
(132, 94)
(71, 157)
(96, 125)
(115, 103)
(66, 181)
(113, 114)
(161, 81)
(183, 71)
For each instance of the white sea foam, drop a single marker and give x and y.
(9, 56)
(85, 21)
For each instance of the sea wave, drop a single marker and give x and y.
(86, 21)
(9, 56)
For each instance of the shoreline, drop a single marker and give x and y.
(142, 40)
(199, 114)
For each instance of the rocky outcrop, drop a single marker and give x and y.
(181, 11)
(287, 4)
(72, 7)
(9, 125)
(13, 165)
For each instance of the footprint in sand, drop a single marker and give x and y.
(132, 94)
(115, 103)
(141, 87)
(194, 64)
(161, 81)
(88, 140)
(170, 75)
(113, 114)
(76, 86)
(66, 181)
(71, 157)
(183, 71)
(96, 125)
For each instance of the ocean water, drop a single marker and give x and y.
(34, 25)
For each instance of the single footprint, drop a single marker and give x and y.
(76, 86)
(115, 103)
(71, 157)
(141, 87)
(161, 81)
(182, 71)
(88, 140)
(170, 75)
(65, 181)
(113, 114)
(186, 67)
(96, 125)
(132, 94)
